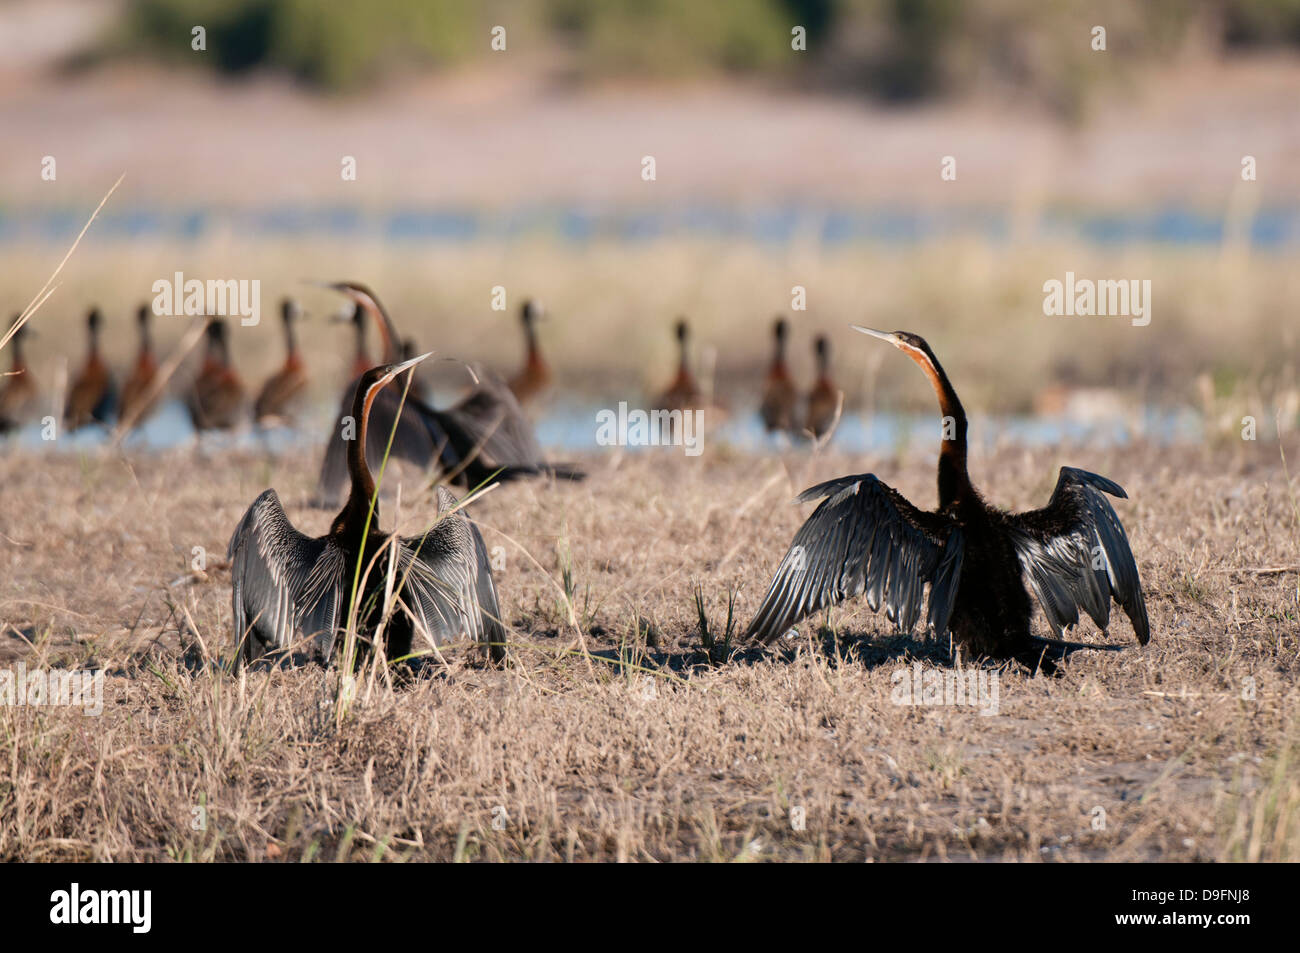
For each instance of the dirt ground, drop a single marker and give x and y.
(611, 733)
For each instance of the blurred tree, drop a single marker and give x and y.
(673, 37)
(889, 49)
(332, 45)
(1252, 22)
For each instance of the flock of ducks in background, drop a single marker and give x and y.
(217, 399)
(969, 566)
(781, 405)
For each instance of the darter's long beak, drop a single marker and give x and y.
(883, 335)
(407, 364)
(397, 369)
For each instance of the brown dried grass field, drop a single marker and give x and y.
(609, 735)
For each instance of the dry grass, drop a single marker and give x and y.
(642, 749)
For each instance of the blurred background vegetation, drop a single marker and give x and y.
(778, 168)
(890, 50)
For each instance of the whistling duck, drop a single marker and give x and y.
(283, 390)
(17, 388)
(217, 399)
(779, 395)
(824, 398)
(92, 398)
(535, 376)
(683, 393)
(138, 398)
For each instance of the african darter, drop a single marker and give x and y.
(289, 587)
(977, 560)
(420, 387)
(361, 359)
(484, 437)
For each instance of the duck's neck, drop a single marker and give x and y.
(530, 337)
(778, 355)
(290, 338)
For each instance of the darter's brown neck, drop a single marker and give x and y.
(351, 520)
(954, 481)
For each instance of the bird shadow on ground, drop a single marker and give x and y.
(867, 650)
(837, 648)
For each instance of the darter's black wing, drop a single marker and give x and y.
(447, 585)
(864, 538)
(1075, 554)
(285, 587)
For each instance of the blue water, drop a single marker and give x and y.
(778, 224)
(572, 428)
(170, 427)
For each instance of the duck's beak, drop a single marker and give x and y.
(889, 336)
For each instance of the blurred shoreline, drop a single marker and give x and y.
(1275, 228)
(501, 140)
